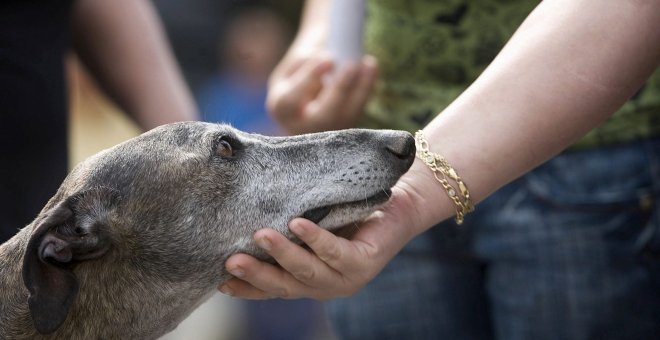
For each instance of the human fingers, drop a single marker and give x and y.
(378, 238)
(341, 102)
(302, 273)
(339, 86)
(288, 95)
(238, 288)
(327, 247)
(346, 264)
(312, 275)
(327, 111)
(254, 279)
(263, 280)
(337, 267)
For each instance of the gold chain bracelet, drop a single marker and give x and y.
(443, 172)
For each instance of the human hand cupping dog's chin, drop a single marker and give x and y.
(335, 266)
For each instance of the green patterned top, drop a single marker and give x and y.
(429, 51)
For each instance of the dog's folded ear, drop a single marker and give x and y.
(74, 230)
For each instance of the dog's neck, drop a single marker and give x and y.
(15, 322)
(128, 308)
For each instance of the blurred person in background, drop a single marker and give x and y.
(122, 45)
(192, 27)
(253, 42)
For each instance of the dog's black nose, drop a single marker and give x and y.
(402, 148)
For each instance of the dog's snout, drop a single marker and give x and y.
(402, 148)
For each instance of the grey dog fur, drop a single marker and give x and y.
(137, 235)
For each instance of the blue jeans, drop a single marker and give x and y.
(570, 251)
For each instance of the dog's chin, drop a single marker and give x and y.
(337, 215)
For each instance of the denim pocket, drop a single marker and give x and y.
(616, 178)
(608, 191)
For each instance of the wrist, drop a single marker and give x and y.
(427, 203)
(452, 183)
(310, 42)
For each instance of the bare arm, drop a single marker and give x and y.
(567, 69)
(313, 29)
(569, 66)
(123, 45)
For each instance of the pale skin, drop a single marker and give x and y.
(300, 99)
(123, 45)
(570, 65)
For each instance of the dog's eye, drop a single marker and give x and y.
(224, 149)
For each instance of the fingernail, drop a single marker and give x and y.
(226, 290)
(264, 243)
(297, 229)
(237, 271)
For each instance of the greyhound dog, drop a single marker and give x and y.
(136, 236)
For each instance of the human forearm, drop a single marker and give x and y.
(124, 47)
(569, 66)
(313, 29)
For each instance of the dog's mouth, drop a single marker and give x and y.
(316, 215)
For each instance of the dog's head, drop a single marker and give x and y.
(175, 202)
